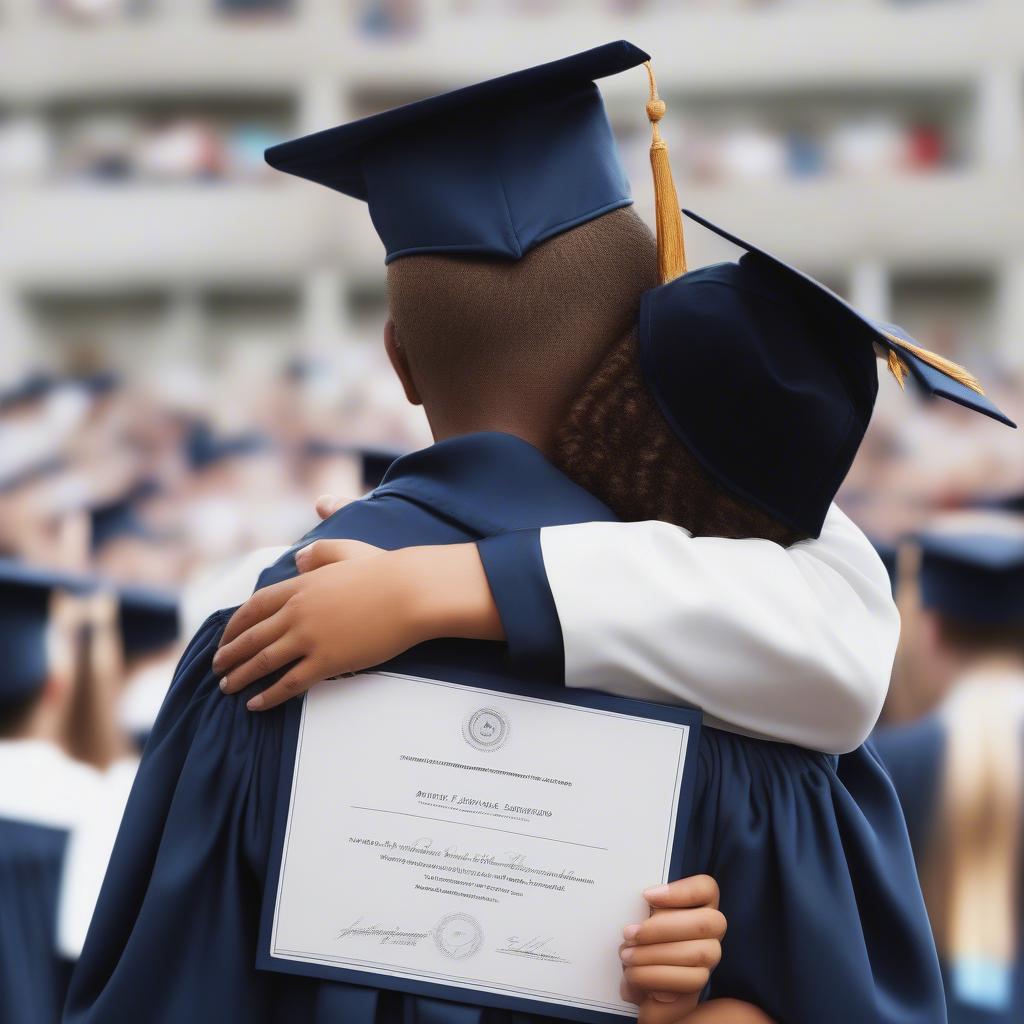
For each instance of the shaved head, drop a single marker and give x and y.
(503, 345)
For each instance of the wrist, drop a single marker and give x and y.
(446, 594)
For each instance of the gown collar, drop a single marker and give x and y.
(491, 482)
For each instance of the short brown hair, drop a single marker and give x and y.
(615, 442)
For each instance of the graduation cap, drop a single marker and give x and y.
(374, 462)
(149, 619)
(34, 387)
(889, 553)
(25, 595)
(98, 383)
(770, 379)
(120, 517)
(492, 169)
(203, 448)
(972, 569)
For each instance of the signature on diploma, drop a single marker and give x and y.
(381, 934)
(534, 947)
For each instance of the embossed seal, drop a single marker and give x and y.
(486, 729)
(458, 936)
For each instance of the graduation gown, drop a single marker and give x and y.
(799, 841)
(33, 977)
(915, 755)
(43, 794)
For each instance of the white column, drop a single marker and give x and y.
(321, 104)
(1010, 313)
(322, 316)
(870, 288)
(20, 342)
(999, 138)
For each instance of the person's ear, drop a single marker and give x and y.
(400, 363)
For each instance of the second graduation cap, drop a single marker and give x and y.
(492, 169)
(972, 568)
(770, 379)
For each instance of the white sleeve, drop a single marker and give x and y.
(793, 644)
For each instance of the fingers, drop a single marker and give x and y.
(652, 1011)
(295, 682)
(324, 552)
(260, 606)
(692, 953)
(327, 504)
(694, 891)
(243, 647)
(663, 979)
(677, 926)
(267, 660)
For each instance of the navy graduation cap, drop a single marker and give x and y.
(120, 517)
(34, 387)
(492, 169)
(25, 595)
(204, 448)
(972, 569)
(770, 379)
(149, 619)
(373, 462)
(889, 553)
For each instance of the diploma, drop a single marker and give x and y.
(474, 844)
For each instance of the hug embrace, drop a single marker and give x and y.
(630, 491)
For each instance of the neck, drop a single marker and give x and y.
(537, 430)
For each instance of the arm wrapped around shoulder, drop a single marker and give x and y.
(793, 644)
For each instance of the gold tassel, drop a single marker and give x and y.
(959, 373)
(898, 369)
(671, 251)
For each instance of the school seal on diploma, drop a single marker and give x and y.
(458, 936)
(486, 729)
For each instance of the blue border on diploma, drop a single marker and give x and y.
(438, 990)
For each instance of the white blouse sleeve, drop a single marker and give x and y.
(793, 644)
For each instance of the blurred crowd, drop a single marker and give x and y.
(132, 145)
(110, 478)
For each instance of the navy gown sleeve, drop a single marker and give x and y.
(515, 572)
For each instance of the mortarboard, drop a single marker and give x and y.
(149, 619)
(203, 448)
(25, 593)
(972, 568)
(770, 379)
(889, 553)
(376, 463)
(98, 383)
(373, 462)
(37, 385)
(492, 169)
(120, 517)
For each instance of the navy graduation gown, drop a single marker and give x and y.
(915, 756)
(799, 842)
(33, 977)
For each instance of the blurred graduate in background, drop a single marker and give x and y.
(66, 763)
(44, 793)
(958, 770)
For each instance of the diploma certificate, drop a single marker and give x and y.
(474, 844)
